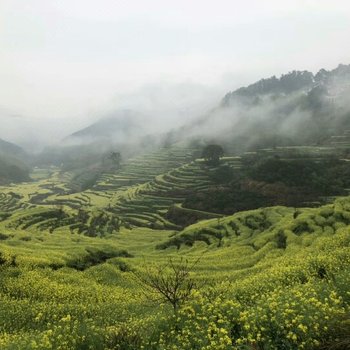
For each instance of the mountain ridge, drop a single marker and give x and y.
(289, 83)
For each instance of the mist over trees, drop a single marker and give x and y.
(297, 108)
(212, 153)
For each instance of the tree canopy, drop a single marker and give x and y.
(116, 158)
(212, 153)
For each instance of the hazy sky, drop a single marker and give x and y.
(71, 60)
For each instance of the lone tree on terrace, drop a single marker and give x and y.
(116, 158)
(171, 283)
(212, 154)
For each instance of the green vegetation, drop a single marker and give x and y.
(299, 108)
(13, 167)
(131, 263)
(291, 176)
(117, 240)
(212, 153)
(12, 170)
(265, 280)
(171, 283)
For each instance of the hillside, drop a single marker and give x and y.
(117, 128)
(11, 149)
(333, 82)
(71, 260)
(12, 163)
(259, 263)
(85, 153)
(291, 176)
(299, 108)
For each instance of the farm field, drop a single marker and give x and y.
(72, 261)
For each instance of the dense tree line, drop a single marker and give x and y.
(272, 181)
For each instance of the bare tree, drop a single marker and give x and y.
(171, 282)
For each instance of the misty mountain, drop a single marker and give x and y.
(290, 83)
(297, 108)
(119, 127)
(87, 151)
(286, 84)
(11, 149)
(12, 163)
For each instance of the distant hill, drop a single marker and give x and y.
(116, 128)
(11, 149)
(293, 82)
(12, 165)
(298, 108)
(123, 131)
(86, 152)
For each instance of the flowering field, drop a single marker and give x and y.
(72, 268)
(255, 290)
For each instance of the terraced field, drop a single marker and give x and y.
(147, 204)
(145, 168)
(146, 191)
(139, 194)
(333, 147)
(264, 278)
(341, 141)
(9, 201)
(271, 278)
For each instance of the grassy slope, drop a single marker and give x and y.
(263, 275)
(244, 272)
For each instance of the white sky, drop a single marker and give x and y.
(69, 60)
